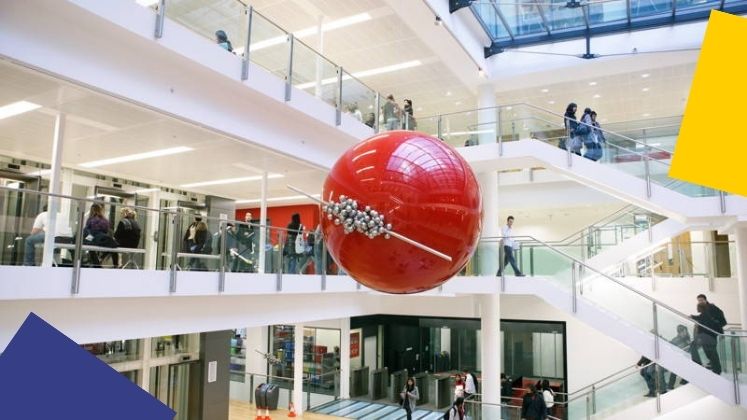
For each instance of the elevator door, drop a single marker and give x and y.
(17, 213)
(178, 386)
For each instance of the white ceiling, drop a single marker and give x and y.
(100, 127)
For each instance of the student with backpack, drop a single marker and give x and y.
(548, 395)
(470, 384)
(456, 411)
(533, 406)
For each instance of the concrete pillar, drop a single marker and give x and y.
(491, 354)
(215, 360)
(263, 224)
(345, 358)
(298, 368)
(55, 187)
(740, 237)
(487, 134)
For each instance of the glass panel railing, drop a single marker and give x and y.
(462, 128)
(270, 46)
(220, 21)
(633, 307)
(682, 259)
(313, 73)
(358, 100)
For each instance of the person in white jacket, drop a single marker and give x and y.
(409, 396)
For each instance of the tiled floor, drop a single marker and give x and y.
(240, 410)
(364, 410)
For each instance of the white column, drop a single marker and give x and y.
(145, 373)
(740, 237)
(298, 368)
(262, 223)
(486, 119)
(345, 358)
(154, 219)
(55, 187)
(491, 354)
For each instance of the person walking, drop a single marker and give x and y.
(533, 405)
(470, 384)
(648, 373)
(127, 233)
(548, 395)
(456, 412)
(290, 251)
(409, 396)
(458, 386)
(571, 142)
(683, 341)
(706, 335)
(508, 248)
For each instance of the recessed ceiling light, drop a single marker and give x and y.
(448, 93)
(16, 108)
(592, 83)
(644, 89)
(645, 75)
(420, 108)
(545, 90)
(509, 108)
(551, 102)
(364, 73)
(230, 181)
(596, 96)
(646, 115)
(457, 103)
(136, 156)
(330, 26)
(146, 190)
(146, 3)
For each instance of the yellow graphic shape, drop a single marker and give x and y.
(711, 149)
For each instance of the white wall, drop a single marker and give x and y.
(591, 355)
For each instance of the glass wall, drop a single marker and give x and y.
(115, 351)
(321, 358)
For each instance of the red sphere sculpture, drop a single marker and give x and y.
(419, 187)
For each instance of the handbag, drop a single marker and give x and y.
(300, 244)
(582, 130)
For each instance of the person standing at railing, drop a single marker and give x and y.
(221, 38)
(459, 386)
(706, 336)
(246, 243)
(456, 411)
(683, 341)
(508, 248)
(293, 251)
(197, 240)
(355, 112)
(391, 112)
(408, 122)
(714, 312)
(409, 396)
(127, 233)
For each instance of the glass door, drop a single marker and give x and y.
(178, 386)
(17, 213)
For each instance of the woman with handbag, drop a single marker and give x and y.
(572, 127)
(408, 396)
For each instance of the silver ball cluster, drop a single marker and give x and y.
(346, 213)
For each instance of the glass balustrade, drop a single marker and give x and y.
(313, 73)
(269, 47)
(210, 16)
(682, 259)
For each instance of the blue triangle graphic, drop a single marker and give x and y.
(45, 375)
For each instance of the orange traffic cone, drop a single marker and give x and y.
(259, 414)
(291, 410)
(267, 414)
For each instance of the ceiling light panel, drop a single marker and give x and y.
(230, 181)
(137, 156)
(17, 108)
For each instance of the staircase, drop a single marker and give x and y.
(636, 320)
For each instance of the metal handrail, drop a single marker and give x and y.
(555, 114)
(619, 283)
(147, 209)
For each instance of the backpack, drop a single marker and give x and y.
(477, 384)
(549, 398)
(299, 245)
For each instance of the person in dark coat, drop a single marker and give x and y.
(648, 372)
(221, 38)
(706, 336)
(683, 341)
(533, 406)
(127, 233)
(570, 122)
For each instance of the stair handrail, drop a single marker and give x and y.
(609, 278)
(539, 108)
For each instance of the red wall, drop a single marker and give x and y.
(281, 216)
